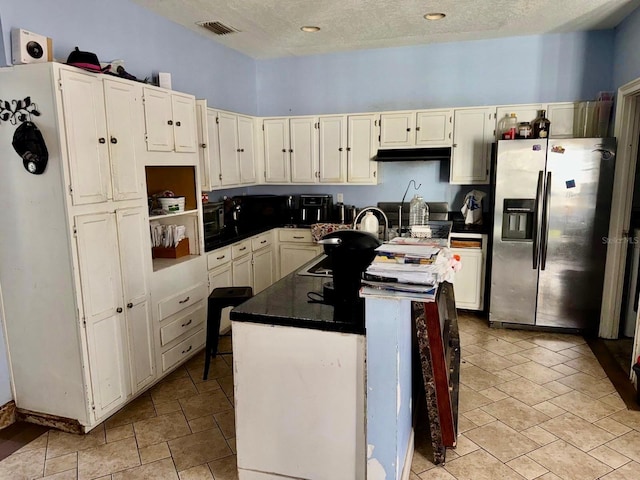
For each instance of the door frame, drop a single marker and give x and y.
(627, 132)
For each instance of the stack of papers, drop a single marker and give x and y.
(409, 270)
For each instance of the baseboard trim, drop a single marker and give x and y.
(7, 414)
(52, 421)
(408, 459)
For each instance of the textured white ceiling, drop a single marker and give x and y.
(271, 28)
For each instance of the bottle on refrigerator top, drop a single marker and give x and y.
(524, 130)
(541, 125)
(417, 211)
(509, 127)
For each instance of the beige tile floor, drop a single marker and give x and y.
(532, 406)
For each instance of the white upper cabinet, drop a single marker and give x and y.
(208, 146)
(246, 149)
(361, 147)
(236, 140)
(124, 120)
(561, 116)
(424, 128)
(228, 138)
(291, 150)
(303, 137)
(434, 128)
(170, 120)
(473, 136)
(103, 125)
(276, 150)
(333, 149)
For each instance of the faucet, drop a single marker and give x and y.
(385, 235)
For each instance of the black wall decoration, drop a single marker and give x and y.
(18, 111)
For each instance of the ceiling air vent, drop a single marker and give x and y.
(218, 28)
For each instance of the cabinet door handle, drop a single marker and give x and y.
(169, 122)
(348, 149)
(221, 257)
(242, 149)
(340, 149)
(130, 305)
(237, 150)
(291, 150)
(102, 140)
(187, 350)
(114, 140)
(119, 310)
(204, 145)
(242, 249)
(417, 129)
(284, 150)
(449, 134)
(263, 241)
(187, 323)
(185, 300)
(408, 129)
(177, 124)
(298, 238)
(454, 145)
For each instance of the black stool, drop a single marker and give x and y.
(219, 299)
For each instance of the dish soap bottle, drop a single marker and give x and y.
(417, 211)
(370, 224)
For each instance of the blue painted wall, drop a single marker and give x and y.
(148, 43)
(626, 65)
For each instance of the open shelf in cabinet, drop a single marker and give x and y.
(181, 180)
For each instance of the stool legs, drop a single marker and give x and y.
(213, 335)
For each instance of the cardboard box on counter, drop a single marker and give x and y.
(178, 251)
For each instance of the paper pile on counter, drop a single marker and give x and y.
(409, 271)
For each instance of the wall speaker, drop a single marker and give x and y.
(28, 47)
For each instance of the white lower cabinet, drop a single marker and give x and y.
(242, 273)
(263, 277)
(469, 280)
(296, 247)
(317, 386)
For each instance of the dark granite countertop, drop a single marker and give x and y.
(229, 236)
(460, 227)
(285, 303)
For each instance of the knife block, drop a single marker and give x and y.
(178, 251)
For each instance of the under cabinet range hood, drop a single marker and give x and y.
(413, 154)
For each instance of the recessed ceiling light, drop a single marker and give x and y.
(310, 29)
(434, 16)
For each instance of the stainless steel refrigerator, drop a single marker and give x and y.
(551, 218)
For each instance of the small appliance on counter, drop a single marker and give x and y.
(213, 222)
(249, 213)
(350, 252)
(315, 208)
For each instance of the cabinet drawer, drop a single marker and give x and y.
(241, 248)
(218, 257)
(183, 349)
(295, 235)
(185, 321)
(181, 300)
(261, 241)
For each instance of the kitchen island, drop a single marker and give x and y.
(299, 386)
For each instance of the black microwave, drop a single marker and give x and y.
(213, 222)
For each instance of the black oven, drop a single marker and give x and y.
(213, 220)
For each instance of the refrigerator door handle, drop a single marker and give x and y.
(536, 222)
(545, 223)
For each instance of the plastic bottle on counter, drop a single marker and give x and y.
(509, 127)
(417, 211)
(370, 224)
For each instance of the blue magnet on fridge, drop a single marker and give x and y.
(570, 183)
(537, 148)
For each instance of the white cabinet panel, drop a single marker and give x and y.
(228, 137)
(561, 116)
(397, 129)
(158, 120)
(218, 278)
(292, 257)
(304, 149)
(333, 140)
(263, 276)
(242, 272)
(469, 280)
(472, 139)
(247, 154)
(184, 122)
(434, 128)
(86, 131)
(361, 147)
(276, 150)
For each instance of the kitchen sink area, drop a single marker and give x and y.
(318, 267)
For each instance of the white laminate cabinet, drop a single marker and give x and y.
(241, 271)
(296, 247)
(103, 120)
(208, 146)
(263, 274)
(561, 115)
(291, 150)
(277, 158)
(470, 279)
(333, 149)
(362, 144)
(236, 136)
(473, 135)
(170, 120)
(423, 128)
(317, 386)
